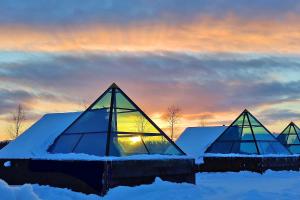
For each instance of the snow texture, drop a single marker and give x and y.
(35, 141)
(195, 140)
(230, 185)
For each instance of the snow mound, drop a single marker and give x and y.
(227, 186)
(37, 192)
(36, 140)
(17, 193)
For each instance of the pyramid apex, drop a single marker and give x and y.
(246, 111)
(114, 85)
(292, 123)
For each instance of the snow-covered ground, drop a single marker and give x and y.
(243, 185)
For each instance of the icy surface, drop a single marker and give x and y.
(195, 140)
(225, 186)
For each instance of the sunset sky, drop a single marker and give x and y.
(211, 58)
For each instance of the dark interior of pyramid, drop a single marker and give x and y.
(246, 135)
(114, 126)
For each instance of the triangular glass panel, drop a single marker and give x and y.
(246, 135)
(114, 125)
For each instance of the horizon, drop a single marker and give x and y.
(211, 59)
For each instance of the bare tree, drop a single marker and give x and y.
(202, 121)
(173, 117)
(17, 120)
(141, 123)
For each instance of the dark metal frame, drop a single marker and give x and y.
(244, 114)
(113, 89)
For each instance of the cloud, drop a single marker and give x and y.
(281, 114)
(201, 26)
(209, 87)
(67, 12)
(230, 34)
(198, 82)
(10, 99)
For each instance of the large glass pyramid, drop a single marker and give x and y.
(114, 126)
(246, 135)
(290, 137)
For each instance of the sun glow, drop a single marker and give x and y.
(135, 139)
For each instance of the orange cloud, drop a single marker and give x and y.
(205, 34)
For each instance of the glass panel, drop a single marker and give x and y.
(104, 102)
(265, 148)
(253, 121)
(128, 145)
(235, 147)
(239, 121)
(293, 139)
(171, 150)
(232, 133)
(295, 149)
(279, 148)
(247, 134)
(297, 129)
(220, 147)
(262, 134)
(248, 148)
(159, 145)
(286, 130)
(93, 144)
(134, 122)
(91, 121)
(246, 121)
(282, 138)
(292, 130)
(122, 102)
(66, 143)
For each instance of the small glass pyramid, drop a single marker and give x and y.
(246, 135)
(290, 137)
(114, 126)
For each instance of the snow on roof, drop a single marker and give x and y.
(195, 140)
(35, 141)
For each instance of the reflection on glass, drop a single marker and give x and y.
(290, 138)
(134, 122)
(104, 102)
(248, 148)
(246, 135)
(115, 122)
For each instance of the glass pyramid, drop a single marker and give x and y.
(114, 126)
(290, 137)
(246, 135)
